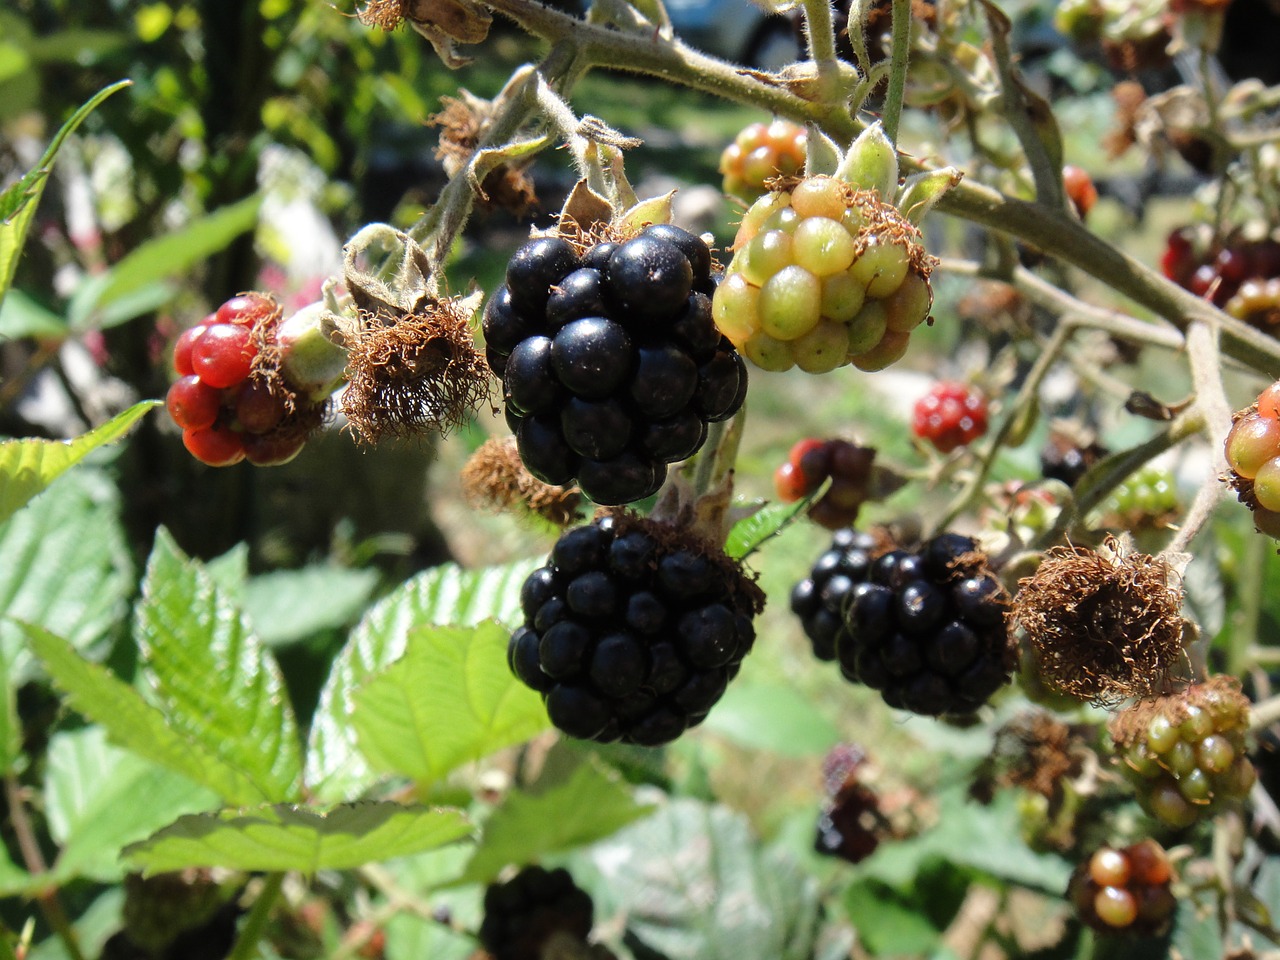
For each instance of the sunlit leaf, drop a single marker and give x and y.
(18, 202)
(290, 605)
(450, 699)
(282, 838)
(443, 595)
(216, 684)
(133, 723)
(91, 791)
(28, 466)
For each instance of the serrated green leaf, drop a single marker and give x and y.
(18, 203)
(28, 466)
(290, 605)
(133, 723)
(91, 789)
(283, 838)
(67, 568)
(449, 700)
(214, 681)
(590, 805)
(443, 595)
(160, 259)
(796, 728)
(747, 535)
(694, 884)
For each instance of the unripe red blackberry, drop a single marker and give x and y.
(237, 395)
(1185, 754)
(610, 364)
(760, 153)
(632, 630)
(525, 914)
(1124, 890)
(950, 415)
(1253, 454)
(811, 462)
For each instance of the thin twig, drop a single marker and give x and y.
(47, 898)
(246, 947)
(900, 54)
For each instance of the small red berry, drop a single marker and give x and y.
(245, 310)
(789, 483)
(223, 356)
(950, 415)
(1080, 189)
(182, 350)
(192, 403)
(1269, 402)
(215, 446)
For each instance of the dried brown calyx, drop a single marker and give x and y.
(463, 122)
(1103, 625)
(495, 477)
(421, 374)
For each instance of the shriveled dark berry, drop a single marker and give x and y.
(533, 909)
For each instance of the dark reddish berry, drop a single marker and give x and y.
(270, 451)
(1125, 889)
(257, 408)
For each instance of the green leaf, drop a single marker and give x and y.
(91, 794)
(21, 316)
(81, 47)
(214, 681)
(283, 838)
(588, 806)
(693, 884)
(449, 700)
(160, 259)
(18, 203)
(13, 879)
(443, 595)
(28, 466)
(796, 728)
(290, 605)
(408, 936)
(748, 535)
(67, 568)
(133, 723)
(888, 924)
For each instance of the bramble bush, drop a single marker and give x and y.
(667, 681)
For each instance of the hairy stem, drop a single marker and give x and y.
(899, 57)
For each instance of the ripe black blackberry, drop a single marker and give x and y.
(524, 914)
(610, 363)
(632, 630)
(925, 628)
(822, 599)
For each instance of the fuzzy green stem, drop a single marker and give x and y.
(246, 947)
(899, 57)
(820, 32)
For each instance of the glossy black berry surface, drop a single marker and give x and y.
(927, 628)
(611, 364)
(525, 914)
(630, 633)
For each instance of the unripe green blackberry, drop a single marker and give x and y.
(1186, 754)
(1147, 498)
(1125, 890)
(824, 274)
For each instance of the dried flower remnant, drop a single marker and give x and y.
(463, 122)
(1103, 625)
(419, 375)
(494, 477)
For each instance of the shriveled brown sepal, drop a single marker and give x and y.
(495, 477)
(1103, 626)
(463, 121)
(420, 375)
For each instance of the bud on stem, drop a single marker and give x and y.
(312, 363)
